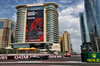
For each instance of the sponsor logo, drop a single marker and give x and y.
(94, 55)
(32, 13)
(3, 57)
(93, 58)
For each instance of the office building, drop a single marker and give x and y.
(65, 42)
(7, 32)
(84, 28)
(86, 44)
(37, 26)
(92, 9)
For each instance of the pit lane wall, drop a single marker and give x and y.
(26, 56)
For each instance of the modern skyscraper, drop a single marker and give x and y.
(37, 24)
(92, 8)
(7, 32)
(65, 43)
(84, 33)
(84, 28)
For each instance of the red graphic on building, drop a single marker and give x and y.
(34, 26)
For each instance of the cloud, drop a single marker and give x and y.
(62, 6)
(12, 6)
(40, 1)
(73, 10)
(4, 11)
(25, 1)
(69, 21)
(65, 1)
(14, 17)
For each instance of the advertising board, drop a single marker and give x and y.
(35, 24)
(93, 57)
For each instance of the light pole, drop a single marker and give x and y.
(96, 38)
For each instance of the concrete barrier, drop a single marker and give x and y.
(26, 56)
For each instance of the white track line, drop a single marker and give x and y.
(42, 62)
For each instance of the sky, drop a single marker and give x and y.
(68, 16)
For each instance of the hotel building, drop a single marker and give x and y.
(37, 26)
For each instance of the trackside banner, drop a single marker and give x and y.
(93, 57)
(16, 57)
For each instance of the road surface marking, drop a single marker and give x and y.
(41, 62)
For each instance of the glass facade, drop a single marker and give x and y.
(84, 28)
(92, 8)
(29, 45)
(20, 46)
(52, 24)
(51, 6)
(20, 24)
(1, 24)
(12, 26)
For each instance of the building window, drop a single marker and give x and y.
(21, 8)
(12, 26)
(51, 6)
(1, 24)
